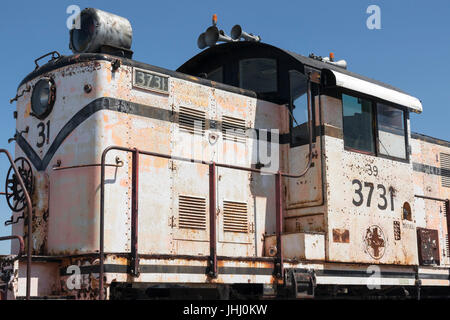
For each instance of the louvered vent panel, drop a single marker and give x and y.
(191, 212)
(447, 245)
(192, 120)
(235, 217)
(445, 169)
(233, 129)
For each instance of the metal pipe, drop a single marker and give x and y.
(447, 216)
(212, 221)
(21, 243)
(102, 214)
(279, 270)
(30, 220)
(88, 165)
(430, 198)
(102, 211)
(221, 165)
(134, 213)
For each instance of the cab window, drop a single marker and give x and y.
(374, 128)
(358, 124)
(258, 74)
(299, 108)
(216, 75)
(391, 131)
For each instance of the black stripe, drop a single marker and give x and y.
(359, 273)
(249, 270)
(29, 152)
(106, 104)
(383, 274)
(177, 269)
(183, 269)
(75, 121)
(424, 168)
(434, 276)
(349, 273)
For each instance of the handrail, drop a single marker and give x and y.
(213, 270)
(430, 198)
(57, 167)
(21, 243)
(30, 220)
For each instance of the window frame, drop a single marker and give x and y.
(315, 92)
(374, 101)
(374, 125)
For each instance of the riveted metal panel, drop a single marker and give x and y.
(428, 166)
(428, 243)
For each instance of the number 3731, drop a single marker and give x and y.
(385, 196)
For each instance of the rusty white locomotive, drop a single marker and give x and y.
(250, 171)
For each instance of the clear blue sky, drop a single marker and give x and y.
(411, 51)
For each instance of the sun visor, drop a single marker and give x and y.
(376, 90)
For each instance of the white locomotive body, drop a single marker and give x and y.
(249, 166)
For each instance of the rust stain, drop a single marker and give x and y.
(145, 163)
(202, 171)
(160, 163)
(191, 94)
(27, 110)
(124, 182)
(108, 76)
(341, 235)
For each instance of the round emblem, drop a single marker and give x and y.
(375, 242)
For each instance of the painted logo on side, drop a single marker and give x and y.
(375, 242)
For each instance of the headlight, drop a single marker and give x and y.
(43, 97)
(99, 29)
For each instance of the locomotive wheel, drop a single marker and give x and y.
(15, 196)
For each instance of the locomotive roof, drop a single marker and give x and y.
(227, 54)
(229, 49)
(429, 139)
(230, 52)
